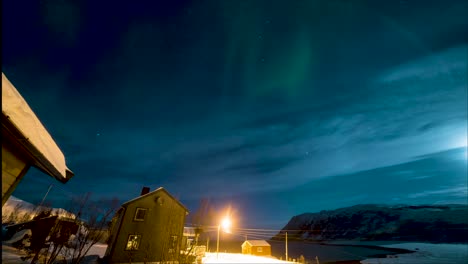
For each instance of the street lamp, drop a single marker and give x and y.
(225, 224)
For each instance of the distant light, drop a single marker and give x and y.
(464, 141)
(461, 140)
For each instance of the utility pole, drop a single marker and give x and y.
(217, 244)
(287, 246)
(43, 199)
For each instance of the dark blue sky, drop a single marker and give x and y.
(274, 107)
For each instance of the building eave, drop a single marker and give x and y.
(22, 128)
(12, 134)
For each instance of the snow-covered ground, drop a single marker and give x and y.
(238, 258)
(98, 249)
(426, 254)
(11, 255)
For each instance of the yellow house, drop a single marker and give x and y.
(256, 247)
(26, 143)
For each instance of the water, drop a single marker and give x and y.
(326, 253)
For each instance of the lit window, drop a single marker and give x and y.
(133, 242)
(259, 249)
(140, 214)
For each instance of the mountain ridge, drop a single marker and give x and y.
(445, 223)
(16, 210)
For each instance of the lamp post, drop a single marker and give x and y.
(225, 224)
(217, 244)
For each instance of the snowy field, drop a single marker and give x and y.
(11, 255)
(238, 258)
(426, 254)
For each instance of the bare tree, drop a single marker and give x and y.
(25, 217)
(202, 220)
(90, 221)
(5, 218)
(203, 216)
(93, 230)
(40, 227)
(188, 255)
(14, 215)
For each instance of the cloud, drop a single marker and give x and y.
(457, 191)
(385, 129)
(262, 166)
(283, 148)
(420, 177)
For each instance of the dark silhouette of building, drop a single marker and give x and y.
(148, 228)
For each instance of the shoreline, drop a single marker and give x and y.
(393, 249)
(383, 252)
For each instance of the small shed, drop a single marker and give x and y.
(256, 247)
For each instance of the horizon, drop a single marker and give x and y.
(265, 109)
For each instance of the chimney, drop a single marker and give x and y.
(144, 190)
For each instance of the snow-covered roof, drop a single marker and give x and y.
(160, 189)
(257, 243)
(189, 231)
(19, 119)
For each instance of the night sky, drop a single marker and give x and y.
(274, 108)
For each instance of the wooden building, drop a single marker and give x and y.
(256, 247)
(26, 143)
(147, 229)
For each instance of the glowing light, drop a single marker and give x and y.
(226, 224)
(463, 141)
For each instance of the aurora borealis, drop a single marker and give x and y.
(270, 106)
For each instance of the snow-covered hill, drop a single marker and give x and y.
(429, 223)
(17, 210)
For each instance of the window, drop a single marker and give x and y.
(259, 249)
(140, 214)
(173, 244)
(133, 242)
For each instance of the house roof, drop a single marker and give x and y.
(189, 231)
(160, 189)
(21, 125)
(257, 243)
